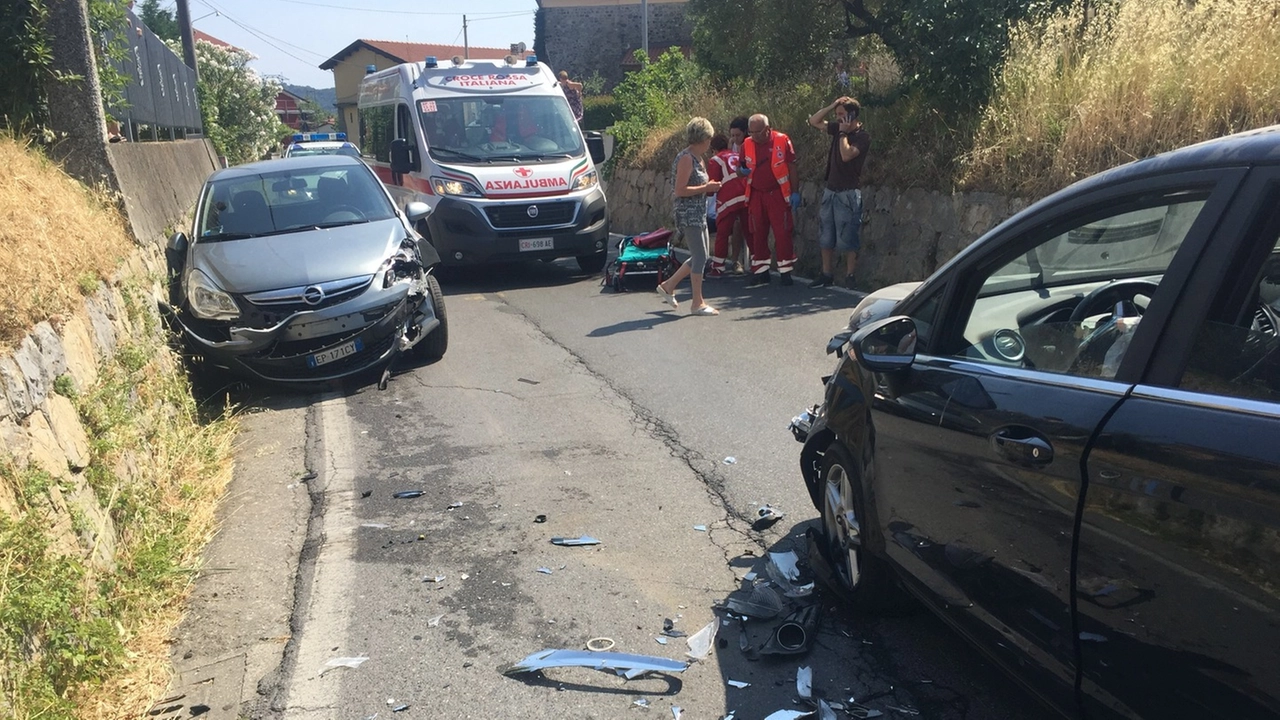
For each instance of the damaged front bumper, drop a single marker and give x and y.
(317, 345)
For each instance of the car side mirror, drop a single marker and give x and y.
(175, 256)
(837, 341)
(402, 157)
(599, 149)
(177, 243)
(415, 211)
(887, 345)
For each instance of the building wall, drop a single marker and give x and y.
(584, 38)
(346, 82)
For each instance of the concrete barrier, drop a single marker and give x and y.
(160, 182)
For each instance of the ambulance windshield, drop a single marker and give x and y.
(494, 129)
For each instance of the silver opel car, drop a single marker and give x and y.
(304, 270)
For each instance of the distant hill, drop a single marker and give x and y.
(326, 98)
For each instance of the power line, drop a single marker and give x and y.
(500, 17)
(264, 37)
(389, 12)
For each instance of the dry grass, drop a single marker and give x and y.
(1142, 78)
(55, 237)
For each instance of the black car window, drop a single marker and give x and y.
(1068, 299)
(1237, 351)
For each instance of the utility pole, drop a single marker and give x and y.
(644, 26)
(466, 48)
(188, 38)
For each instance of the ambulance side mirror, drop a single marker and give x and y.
(598, 147)
(402, 159)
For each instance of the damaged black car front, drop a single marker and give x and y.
(303, 270)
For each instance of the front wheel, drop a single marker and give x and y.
(592, 263)
(865, 578)
(433, 346)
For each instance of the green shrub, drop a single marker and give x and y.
(600, 112)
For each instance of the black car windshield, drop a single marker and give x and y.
(288, 200)
(471, 130)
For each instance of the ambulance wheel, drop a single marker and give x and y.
(592, 263)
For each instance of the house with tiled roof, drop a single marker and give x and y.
(349, 64)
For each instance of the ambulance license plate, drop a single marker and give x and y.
(328, 356)
(536, 244)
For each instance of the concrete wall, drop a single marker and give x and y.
(906, 234)
(160, 182)
(589, 37)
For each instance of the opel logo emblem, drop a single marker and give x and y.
(313, 295)
(533, 211)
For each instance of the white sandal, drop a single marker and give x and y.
(705, 310)
(667, 297)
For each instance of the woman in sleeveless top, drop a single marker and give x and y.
(690, 189)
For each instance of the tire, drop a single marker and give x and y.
(433, 346)
(864, 578)
(594, 263)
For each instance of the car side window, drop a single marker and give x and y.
(1069, 299)
(1237, 351)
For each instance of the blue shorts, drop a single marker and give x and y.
(841, 217)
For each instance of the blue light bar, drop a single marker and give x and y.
(370, 69)
(297, 137)
(531, 61)
(431, 61)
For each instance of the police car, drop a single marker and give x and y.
(303, 144)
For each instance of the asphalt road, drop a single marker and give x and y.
(612, 417)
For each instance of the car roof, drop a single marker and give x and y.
(306, 162)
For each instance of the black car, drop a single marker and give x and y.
(1066, 442)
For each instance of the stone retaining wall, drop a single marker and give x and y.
(906, 234)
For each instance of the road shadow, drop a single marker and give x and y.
(497, 277)
(651, 321)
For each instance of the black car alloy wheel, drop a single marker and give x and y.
(841, 525)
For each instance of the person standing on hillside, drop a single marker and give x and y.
(572, 93)
(731, 201)
(690, 187)
(767, 160)
(841, 214)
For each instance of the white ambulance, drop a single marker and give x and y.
(492, 147)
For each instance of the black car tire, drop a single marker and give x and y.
(434, 345)
(876, 587)
(593, 263)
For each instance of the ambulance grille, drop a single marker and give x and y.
(532, 215)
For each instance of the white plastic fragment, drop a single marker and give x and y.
(700, 642)
(374, 525)
(825, 712)
(661, 640)
(750, 577)
(544, 570)
(346, 662)
(464, 576)
(642, 702)
(731, 460)
(435, 621)
(700, 528)
(454, 505)
(804, 682)
(738, 684)
(433, 579)
(677, 712)
(790, 715)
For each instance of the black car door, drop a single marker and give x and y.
(1178, 584)
(979, 445)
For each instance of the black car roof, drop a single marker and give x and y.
(291, 163)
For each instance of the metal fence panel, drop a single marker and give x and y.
(162, 90)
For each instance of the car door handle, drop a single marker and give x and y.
(1022, 445)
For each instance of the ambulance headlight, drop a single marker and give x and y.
(586, 181)
(449, 186)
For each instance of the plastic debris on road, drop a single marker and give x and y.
(435, 621)
(399, 708)
(766, 517)
(677, 712)
(600, 644)
(574, 541)
(700, 528)
(738, 684)
(784, 570)
(454, 505)
(789, 714)
(730, 460)
(701, 642)
(344, 662)
(623, 663)
(544, 570)
(762, 602)
(407, 494)
(825, 711)
(661, 640)
(433, 579)
(669, 629)
(540, 518)
(804, 682)
(793, 635)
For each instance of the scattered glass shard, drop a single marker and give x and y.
(700, 643)
(544, 570)
(661, 640)
(642, 702)
(730, 460)
(346, 662)
(435, 621)
(738, 684)
(573, 541)
(700, 528)
(804, 682)
(677, 712)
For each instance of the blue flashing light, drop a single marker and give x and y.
(370, 69)
(531, 61)
(431, 61)
(297, 137)
(342, 136)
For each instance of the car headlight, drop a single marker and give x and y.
(207, 300)
(449, 186)
(586, 181)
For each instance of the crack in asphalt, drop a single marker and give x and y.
(431, 386)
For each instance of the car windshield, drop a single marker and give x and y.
(304, 151)
(287, 200)
(474, 130)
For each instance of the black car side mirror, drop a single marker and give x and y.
(177, 243)
(837, 342)
(175, 257)
(887, 345)
(596, 146)
(402, 160)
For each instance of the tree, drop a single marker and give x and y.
(237, 105)
(161, 21)
(951, 47)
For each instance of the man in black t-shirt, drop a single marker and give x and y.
(841, 212)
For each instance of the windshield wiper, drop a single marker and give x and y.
(218, 237)
(339, 223)
(544, 156)
(458, 154)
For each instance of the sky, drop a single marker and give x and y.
(292, 37)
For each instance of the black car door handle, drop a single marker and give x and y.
(1022, 445)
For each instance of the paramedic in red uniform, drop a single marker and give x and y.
(730, 201)
(767, 160)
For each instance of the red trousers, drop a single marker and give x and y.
(724, 230)
(770, 210)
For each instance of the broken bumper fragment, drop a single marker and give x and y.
(622, 663)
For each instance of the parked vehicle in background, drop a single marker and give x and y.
(302, 269)
(492, 148)
(1063, 441)
(303, 144)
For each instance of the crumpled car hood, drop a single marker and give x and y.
(298, 258)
